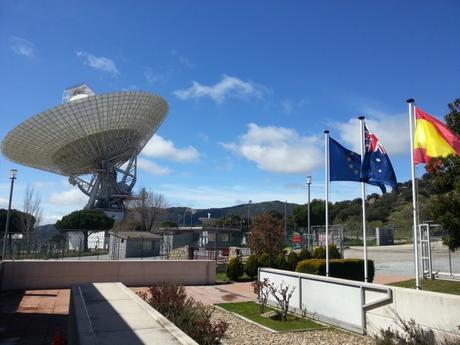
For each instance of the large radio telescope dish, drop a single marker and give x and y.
(98, 135)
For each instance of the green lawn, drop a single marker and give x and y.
(250, 310)
(221, 277)
(445, 286)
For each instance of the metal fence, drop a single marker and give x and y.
(19, 249)
(317, 237)
(444, 263)
(97, 249)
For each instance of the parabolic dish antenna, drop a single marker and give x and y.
(92, 139)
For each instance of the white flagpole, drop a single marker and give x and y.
(326, 190)
(363, 197)
(410, 102)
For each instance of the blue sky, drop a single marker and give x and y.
(251, 86)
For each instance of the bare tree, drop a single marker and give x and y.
(148, 208)
(32, 212)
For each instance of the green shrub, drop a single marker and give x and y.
(352, 269)
(320, 252)
(221, 268)
(280, 261)
(312, 266)
(235, 268)
(190, 316)
(292, 261)
(304, 254)
(334, 252)
(251, 266)
(264, 260)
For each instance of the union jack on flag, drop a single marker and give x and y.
(376, 166)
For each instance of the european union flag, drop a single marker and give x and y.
(376, 166)
(345, 165)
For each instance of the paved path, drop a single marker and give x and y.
(213, 294)
(32, 317)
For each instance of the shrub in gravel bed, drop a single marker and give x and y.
(190, 316)
(410, 333)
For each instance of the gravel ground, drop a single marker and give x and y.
(241, 332)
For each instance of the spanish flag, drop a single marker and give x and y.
(432, 138)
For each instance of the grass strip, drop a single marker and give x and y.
(251, 311)
(444, 286)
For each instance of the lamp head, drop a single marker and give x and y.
(308, 180)
(13, 173)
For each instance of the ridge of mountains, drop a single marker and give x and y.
(181, 215)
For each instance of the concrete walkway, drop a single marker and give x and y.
(33, 317)
(110, 314)
(213, 294)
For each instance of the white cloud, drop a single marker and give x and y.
(158, 147)
(23, 47)
(183, 60)
(3, 203)
(154, 77)
(71, 197)
(99, 62)
(52, 218)
(392, 130)
(152, 167)
(227, 87)
(287, 107)
(278, 149)
(209, 196)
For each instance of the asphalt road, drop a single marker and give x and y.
(399, 259)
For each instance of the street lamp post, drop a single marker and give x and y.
(308, 211)
(12, 177)
(285, 219)
(249, 203)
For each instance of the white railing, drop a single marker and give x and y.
(335, 301)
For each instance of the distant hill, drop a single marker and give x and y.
(176, 214)
(45, 232)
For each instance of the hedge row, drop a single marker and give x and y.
(352, 269)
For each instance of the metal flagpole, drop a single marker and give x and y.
(326, 190)
(363, 197)
(410, 102)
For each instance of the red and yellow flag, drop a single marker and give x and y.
(432, 138)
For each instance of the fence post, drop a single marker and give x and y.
(142, 248)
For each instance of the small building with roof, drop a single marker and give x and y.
(133, 244)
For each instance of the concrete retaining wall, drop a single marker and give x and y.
(367, 308)
(431, 310)
(63, 274)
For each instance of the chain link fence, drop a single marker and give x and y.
(445, 263)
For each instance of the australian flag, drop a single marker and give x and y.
(345, 165)
(376, 167)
